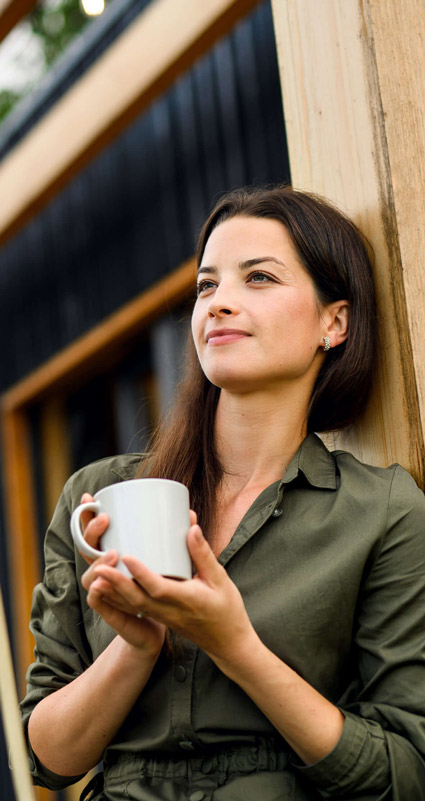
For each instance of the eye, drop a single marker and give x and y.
(203, 286)
(260, 278)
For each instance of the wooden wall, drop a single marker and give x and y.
(353, 94)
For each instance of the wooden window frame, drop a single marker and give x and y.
(91, 355)
(159, 45)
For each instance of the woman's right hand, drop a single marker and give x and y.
(144, 634)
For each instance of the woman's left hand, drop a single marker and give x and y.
(208, 609)
(210, 612)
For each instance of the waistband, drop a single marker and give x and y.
(263, 755)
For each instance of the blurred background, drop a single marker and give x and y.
(98, 231)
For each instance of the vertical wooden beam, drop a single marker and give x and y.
(55, 451)
(22, 545)
(56, 468)
(398, 31)
(352, 84)
(11, 722)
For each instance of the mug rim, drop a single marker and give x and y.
(128, 481)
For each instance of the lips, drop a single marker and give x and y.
(223, 336)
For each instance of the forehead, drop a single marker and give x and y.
(246, 238)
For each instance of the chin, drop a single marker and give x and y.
(234, 381)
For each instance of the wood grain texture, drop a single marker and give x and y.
(55, 450)
(22, 781)
(161, 43)
(22, 543)
(399, 42)
(337, 138)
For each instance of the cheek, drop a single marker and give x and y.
(194, 320)
(195, 326)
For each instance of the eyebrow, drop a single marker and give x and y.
(244, 265)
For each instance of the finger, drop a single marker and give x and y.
(108, 558)
(132, 596)
(193, 517)
(137, 632)
(152, 584)
(86, 516)
(95, 528)
(113, 616)
(206, 564)
(102, 587)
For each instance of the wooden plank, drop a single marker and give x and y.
(55, 450)
(15, 742)
(160, 44)
(102, 345)
(337, 130)
(398, 36)
(56, 465)
(22, 542)
(11, 12)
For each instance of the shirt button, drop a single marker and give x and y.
(186, 745)
(277, 512)
(181, 673)
(198, 795)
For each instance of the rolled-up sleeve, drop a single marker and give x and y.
(381, 752)
(61, 649)
(63, 626)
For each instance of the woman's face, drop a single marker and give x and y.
(257, 320)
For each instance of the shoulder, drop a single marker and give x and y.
(391, 485)
(101, 474)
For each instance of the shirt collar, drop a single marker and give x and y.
(129, 470)
(315, 462)
(312, 459)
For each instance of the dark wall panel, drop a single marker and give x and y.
(6, 791)
(133, 214)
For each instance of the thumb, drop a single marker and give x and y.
(202, 556)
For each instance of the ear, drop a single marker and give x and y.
(336, 319)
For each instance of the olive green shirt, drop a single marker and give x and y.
(330, 562)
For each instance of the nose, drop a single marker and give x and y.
(223, 302)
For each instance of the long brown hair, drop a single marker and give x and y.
(333, 252)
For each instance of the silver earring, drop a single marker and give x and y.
(327, 344)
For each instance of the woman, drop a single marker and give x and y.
(298, 669)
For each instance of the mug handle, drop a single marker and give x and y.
(77, 534)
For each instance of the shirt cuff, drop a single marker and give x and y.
(43, 777)
(359, 759)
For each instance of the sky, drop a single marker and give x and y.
(21, 59)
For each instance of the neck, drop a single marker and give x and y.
(257, 434)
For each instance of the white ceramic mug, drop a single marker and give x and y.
(148, 518)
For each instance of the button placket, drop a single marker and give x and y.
(181, 673)
(181, 698)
